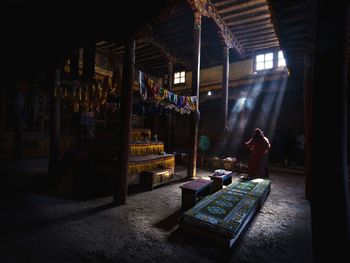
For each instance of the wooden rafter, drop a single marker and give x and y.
(256, 33)
(229, 7)
(171, 55)
(208, 9)
(249, 20)
(253, 24)
(247, 13)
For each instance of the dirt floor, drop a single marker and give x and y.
(41, 228)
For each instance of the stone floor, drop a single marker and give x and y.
(43, 228)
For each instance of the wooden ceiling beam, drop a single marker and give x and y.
(255, 29)
(207, 8)
(249, 25)
(249, 5)
(146, 55)
(260, 40)
(249, 12)
(247, 16)
(248, 20)
(220, 3)
(227, 6)
(263, 44)
(165, 50)
(254, 49)
(256, 34)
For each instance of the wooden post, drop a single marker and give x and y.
(125, 123)
(171, 115)
(225, 79)
(54, 154)
(192, 158)
(330, 193)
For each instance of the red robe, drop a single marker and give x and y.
(259, 148)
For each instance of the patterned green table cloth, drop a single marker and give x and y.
(255, 187)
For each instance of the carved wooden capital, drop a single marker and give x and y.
(206, 8)
(197, 19)
(198, 5)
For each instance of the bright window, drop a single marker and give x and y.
(179, 77)
(264, 61)
(281, 60)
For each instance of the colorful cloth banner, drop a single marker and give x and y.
(182, 104)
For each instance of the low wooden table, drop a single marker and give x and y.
(219, 180)
(193, 190)
(155, 177)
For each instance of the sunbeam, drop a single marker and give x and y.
(257, 105)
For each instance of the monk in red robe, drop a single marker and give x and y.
(259, 147)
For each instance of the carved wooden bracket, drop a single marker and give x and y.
(206, 8)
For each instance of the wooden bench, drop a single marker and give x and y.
(193, 190)
(151, 178)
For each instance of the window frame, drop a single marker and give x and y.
(275, 60)
(179, 78)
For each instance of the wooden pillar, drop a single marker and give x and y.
(55, 119)
(125, 122)
(170, 127)
(192, 161)
(328, 167)
(225, 79)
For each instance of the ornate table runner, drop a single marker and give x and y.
(255, 187)
(224, 212)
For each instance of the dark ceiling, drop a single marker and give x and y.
(39, 34)
(249, 21)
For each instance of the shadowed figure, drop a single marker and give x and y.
(259, 147)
